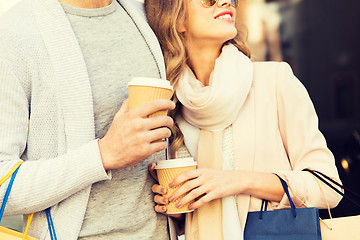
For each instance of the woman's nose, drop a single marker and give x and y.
(223, 2)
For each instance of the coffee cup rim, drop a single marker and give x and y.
(151, 82)
(175, 163)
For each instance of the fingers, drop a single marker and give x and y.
(185, 177)
(159, 121)
(158, 134)
(124, 107)
(191, 186)
(197, 184)
(156, 147)
(157, 189)
(203, 194)
(160, 209)
(153, 107)
(152, 171)
(132, 137)
(158, 199)
(191, 181)
(154, 128)
(203, 200)
(157, 129)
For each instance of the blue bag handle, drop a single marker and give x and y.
(7, 193)
(50, 225)
(263, 207)
(6, 197)
(265, 202)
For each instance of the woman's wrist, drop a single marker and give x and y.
(258, 184)
(242, 181)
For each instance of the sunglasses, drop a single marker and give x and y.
(210, 3)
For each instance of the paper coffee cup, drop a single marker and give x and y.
(167, 170)
(143, 90)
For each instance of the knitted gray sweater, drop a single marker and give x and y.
(47, 117)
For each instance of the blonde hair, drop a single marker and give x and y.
(164, 17)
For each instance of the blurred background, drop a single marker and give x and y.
(321, 41)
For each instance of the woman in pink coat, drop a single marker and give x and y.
(242, 121)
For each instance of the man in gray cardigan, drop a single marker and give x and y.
(64, 69)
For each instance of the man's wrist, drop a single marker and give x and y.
(105, 156)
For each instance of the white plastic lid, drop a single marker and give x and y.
(152, 82)
(174, 163)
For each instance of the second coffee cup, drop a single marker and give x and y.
(167, 170)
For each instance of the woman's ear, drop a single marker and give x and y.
(181, 28)
(180, 25)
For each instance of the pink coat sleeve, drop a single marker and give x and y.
(305, 145)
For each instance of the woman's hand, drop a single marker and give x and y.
(159, 191)
(205, 184)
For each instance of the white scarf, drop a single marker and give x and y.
(216, 106)
(213, 108)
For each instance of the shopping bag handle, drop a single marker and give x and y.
(285, 187)
(10, 173)
(328, 181)
(13, 172)
(8, 189)
(50, 225)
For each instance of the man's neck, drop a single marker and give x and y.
(87, 3)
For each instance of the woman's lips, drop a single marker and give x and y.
(225, 15)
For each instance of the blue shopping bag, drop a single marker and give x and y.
(283, 224)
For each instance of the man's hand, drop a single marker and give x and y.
(130, 138)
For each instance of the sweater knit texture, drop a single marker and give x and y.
(113, 213)
(47, 117)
